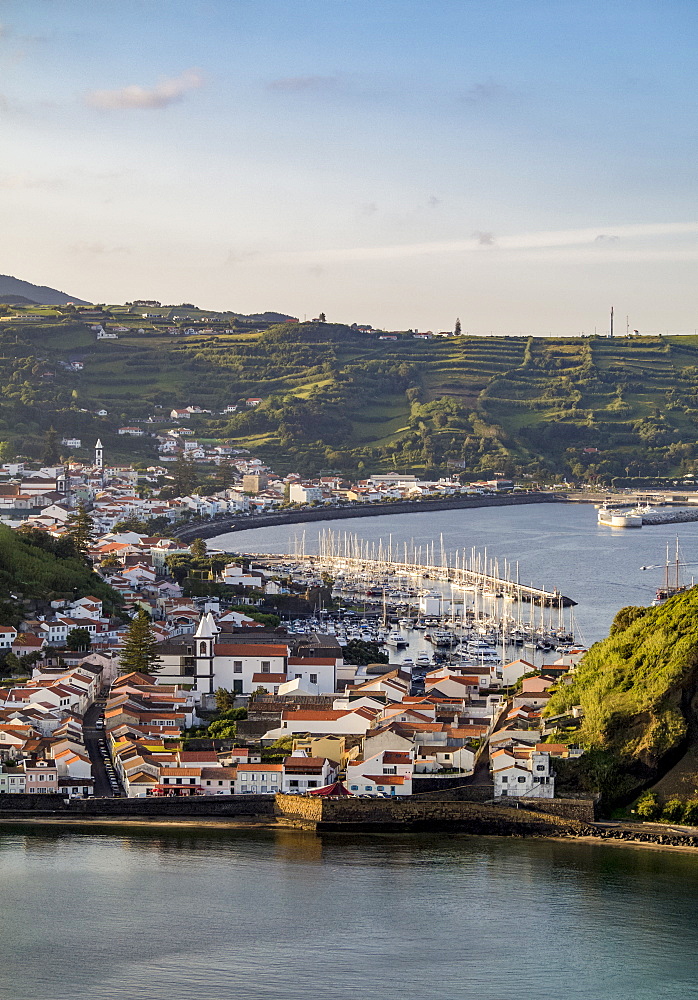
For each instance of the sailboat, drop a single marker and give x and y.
(672, 579)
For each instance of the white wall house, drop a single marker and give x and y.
(531, 778)
(387, 773)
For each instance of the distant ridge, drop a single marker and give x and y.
(17, 300)
(40, 294)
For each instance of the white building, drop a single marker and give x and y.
(518, 775)
(300, 493)
(387, 773)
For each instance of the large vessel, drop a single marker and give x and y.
(620, 518)
(672, 579)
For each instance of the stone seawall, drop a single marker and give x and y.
(242, 807)
(404, 815)
(582, 810)
(225, 524)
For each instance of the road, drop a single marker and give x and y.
(95, 745)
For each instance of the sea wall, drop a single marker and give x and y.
(582, 810)
(226, 523)
(394, 815)
(243, 807)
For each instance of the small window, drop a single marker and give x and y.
(521, 781)
(313, 678)
(368, 788)
(540, 767)
(237, 666)
(353, 788)
(293, 784)
(266, 666)
(504, 781)
(312, 784)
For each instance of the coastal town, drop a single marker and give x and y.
(292, 711)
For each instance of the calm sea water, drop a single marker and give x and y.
(556, 545)
(291, 916)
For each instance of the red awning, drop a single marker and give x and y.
(336, 788)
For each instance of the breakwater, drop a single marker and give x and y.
(226, 523)
(671, 517)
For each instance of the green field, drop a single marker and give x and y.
(334, 398)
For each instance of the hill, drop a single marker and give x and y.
(335, 398)
(41, 294)
(638, 690)
(35, 569)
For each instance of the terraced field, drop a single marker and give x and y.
(334, 398)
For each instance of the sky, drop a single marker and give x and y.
(522, 165)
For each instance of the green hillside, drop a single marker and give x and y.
(35, 569)
(335, 398)
(638, 691)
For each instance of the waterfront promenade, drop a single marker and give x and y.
(235, 522)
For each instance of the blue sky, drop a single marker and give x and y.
(521, 164)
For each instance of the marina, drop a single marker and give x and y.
(419, 602)
(554, 544)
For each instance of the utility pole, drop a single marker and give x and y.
(611, 333)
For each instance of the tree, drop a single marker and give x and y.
(647, 806)
(224, 476)
(457, 328)
(222, 729)
(50, 455)
(139, 651)
(225, 700)
(80, 528)
(11, 665)
(78, 639)
(111, 561)
(321, 318)
(184, 475)
(198, 548)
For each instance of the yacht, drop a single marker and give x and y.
(396, 639)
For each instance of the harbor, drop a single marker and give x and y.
(423, 605)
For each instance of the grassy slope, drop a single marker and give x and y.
(530, 401)
(37, 575)
(638, 688)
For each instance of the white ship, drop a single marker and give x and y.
(620, 518)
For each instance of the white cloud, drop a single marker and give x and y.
(560, 243)
(167, 92)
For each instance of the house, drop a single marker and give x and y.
(387, 773)
(522, 773)
(8, 634)
(302, 773)
(71, 442)
(253, 401)
(259, 779)
(131, 431)
(41, 777)
(302, 493)
(183, 414)
(218, 780)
